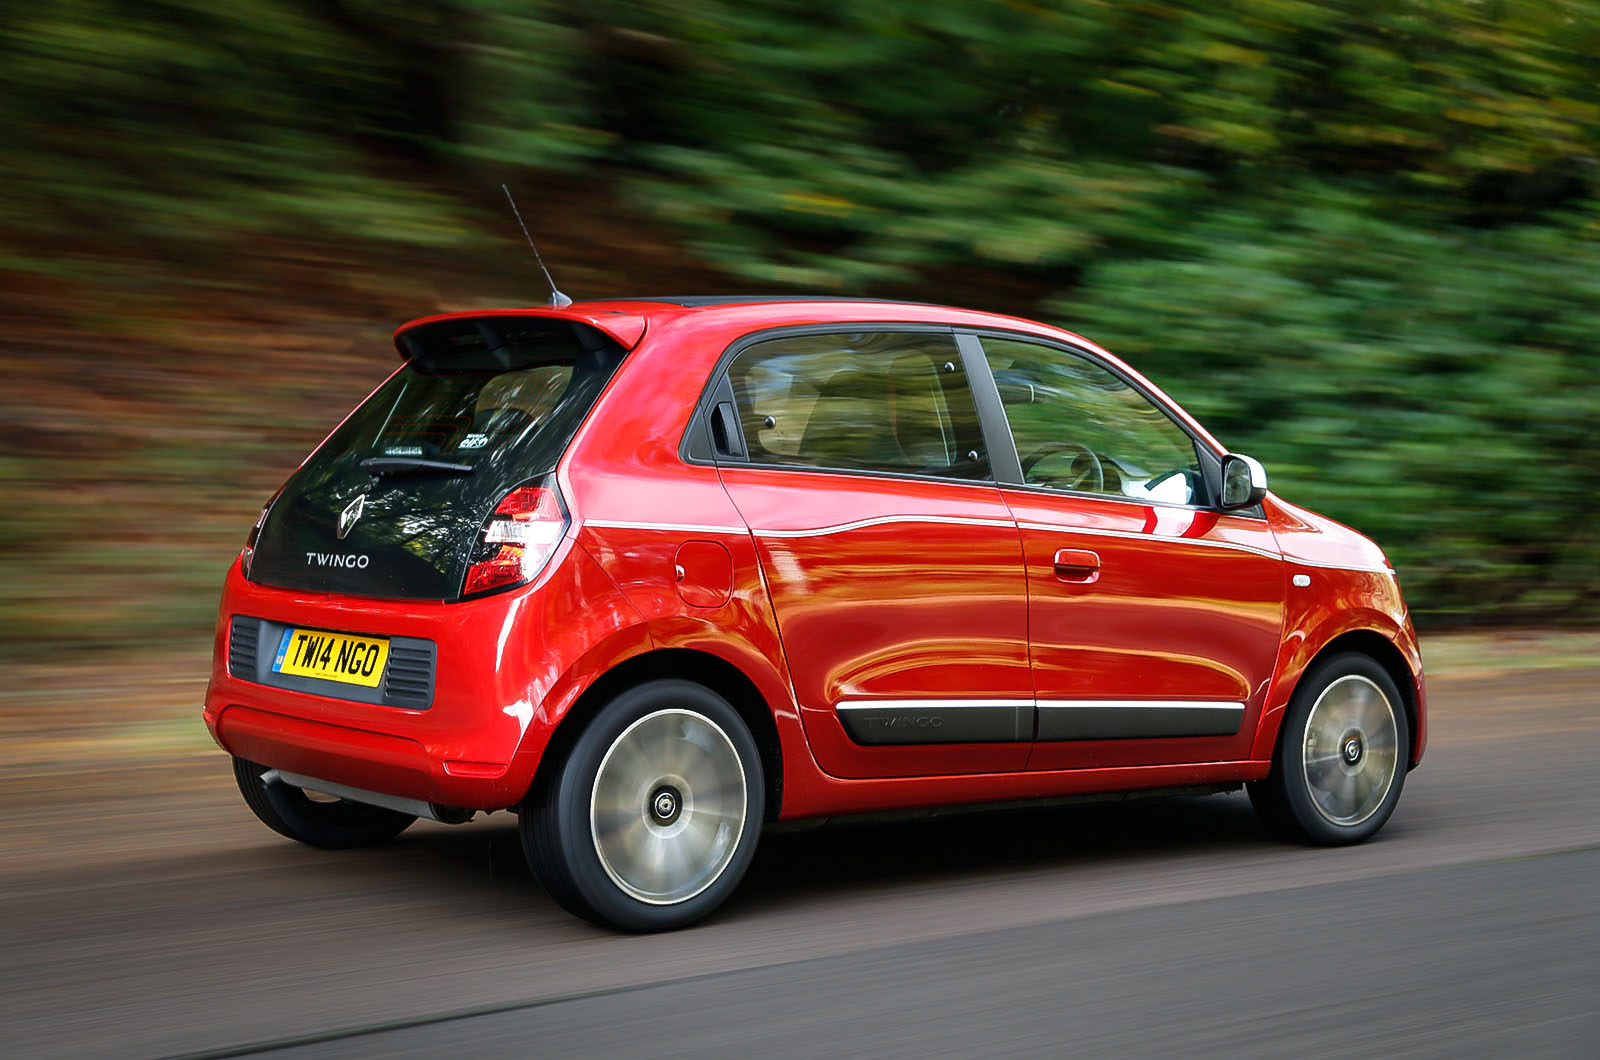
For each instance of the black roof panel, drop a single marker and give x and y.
(696, 301)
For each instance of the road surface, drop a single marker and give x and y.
(144, 913)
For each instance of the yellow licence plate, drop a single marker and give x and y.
(332, 656)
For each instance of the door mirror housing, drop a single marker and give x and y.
(1244, 482)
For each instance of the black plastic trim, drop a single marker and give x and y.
(408, 678)
(701, 301)
(930, 721)
(1004, 462)
(1136, 721)
(244, 640)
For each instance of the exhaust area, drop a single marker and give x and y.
(399, 804)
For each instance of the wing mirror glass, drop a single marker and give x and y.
(1244, 482)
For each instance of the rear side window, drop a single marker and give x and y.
(879, 401)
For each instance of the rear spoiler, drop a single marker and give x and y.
(626, 329)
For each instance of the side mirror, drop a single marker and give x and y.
(1244, 482)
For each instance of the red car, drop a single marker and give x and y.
(651, 573)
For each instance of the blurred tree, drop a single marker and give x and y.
(174, 123)
(873, 140)
(1439, 392)
(1360, 231)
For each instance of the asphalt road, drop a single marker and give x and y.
(145, 913)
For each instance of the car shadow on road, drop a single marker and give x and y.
(795, 865)
(947, 847)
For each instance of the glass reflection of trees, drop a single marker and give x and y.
(1052, 397)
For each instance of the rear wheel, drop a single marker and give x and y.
(314, 819)
(1341, 758)
(653, 817)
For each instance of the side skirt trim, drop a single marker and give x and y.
(897, 722)
(924, 721)
(1092, 719)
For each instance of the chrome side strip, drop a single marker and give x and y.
(1130, 535)
(685, 528)
(1234, 546)
(1115, 719)
(924, 721)
(951, 520)
(883, 520)
(1296, 561)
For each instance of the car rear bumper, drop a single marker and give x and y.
(474, 746)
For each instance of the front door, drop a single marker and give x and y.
(893, 564)
(1154, 619)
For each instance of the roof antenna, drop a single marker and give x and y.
(557, 299)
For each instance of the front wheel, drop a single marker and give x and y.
(652, 818)
(314, 819)
(1342, 755)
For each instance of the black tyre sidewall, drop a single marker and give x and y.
(580, 882)
(1288, 781)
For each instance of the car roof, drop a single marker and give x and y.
(700, 301)
(626, 319)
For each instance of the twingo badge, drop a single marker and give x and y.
(348, 517)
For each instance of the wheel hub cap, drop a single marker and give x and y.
(665, 804)
(1350, 750)
(667, 809)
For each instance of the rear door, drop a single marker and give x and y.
(893, 563)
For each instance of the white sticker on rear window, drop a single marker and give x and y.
(402, 450)
(474, 441)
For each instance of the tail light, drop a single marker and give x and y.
(248, 555)
(518, 539)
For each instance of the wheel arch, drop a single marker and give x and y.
(1385, 653)
(688, 664)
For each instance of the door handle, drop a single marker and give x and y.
(724, 425)
(1077, 565)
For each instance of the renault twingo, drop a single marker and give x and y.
(653, 573)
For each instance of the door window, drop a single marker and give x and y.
(875, 401)
(1080, 427)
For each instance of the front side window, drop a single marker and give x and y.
(1080, 427)
(877, 401)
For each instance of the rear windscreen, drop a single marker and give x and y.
(482, 405)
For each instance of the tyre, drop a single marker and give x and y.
(1341, 757)
(320, 821)
(652, 817)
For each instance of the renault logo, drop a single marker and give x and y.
(348, 517)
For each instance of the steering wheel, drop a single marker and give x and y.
(1084, 472)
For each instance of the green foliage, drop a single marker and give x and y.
(875, 142)
(864, 143)
(1358, 237)
(172, 124)
(1437, 391)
